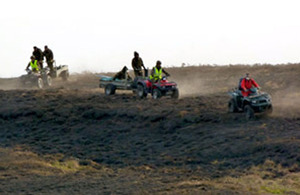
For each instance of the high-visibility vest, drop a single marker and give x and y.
(157, 74)
(34, 65)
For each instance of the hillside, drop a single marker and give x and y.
(72, 139)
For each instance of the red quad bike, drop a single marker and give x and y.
(161, 88)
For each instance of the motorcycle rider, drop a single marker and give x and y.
(137, 64)
(38, 54)
(49, 57)
(246, 84)
(34, 64)
(156, 73)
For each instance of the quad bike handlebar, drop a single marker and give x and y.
(28, 71)
(165, 76)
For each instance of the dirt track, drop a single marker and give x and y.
(74, 139)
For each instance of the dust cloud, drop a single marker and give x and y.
(286, 102)
(9, 84)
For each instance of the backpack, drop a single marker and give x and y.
(240, 83)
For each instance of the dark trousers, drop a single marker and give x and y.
(50, 64)
(41, 64)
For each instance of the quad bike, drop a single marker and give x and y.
(158, 89)
(32, 79)
(60, 71)
(141, 86)
(256, 102)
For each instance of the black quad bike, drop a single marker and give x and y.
(32, 79)
(256, 103)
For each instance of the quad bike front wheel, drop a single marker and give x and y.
(40, 83)
(268, 111)
(175, 94)
(156, 94)
(249, 112)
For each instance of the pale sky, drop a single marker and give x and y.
(96, 35)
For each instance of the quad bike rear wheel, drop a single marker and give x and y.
(141, 91)
(249, 112)
(156, 94)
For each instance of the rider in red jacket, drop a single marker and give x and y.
(247, 84)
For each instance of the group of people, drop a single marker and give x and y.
(37, 59)
(38, 55)
(138, 66)
(245, 84)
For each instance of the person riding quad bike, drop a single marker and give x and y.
(156, 73)
(34, 64)
(156, 85)
(249, 99)
(49, 57)
(246, 84)
(33, 78)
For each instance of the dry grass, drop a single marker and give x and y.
(270, 178)
(74, 140)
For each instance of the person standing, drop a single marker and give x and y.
(137, 64)
(38, 54)
(49, 57)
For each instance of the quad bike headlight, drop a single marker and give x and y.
(254, 101)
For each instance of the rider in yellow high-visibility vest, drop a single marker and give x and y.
(34, 64)
(157, 71)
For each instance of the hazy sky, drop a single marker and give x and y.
(96, 35)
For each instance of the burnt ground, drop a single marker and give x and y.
(74, 139)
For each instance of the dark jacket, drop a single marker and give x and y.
(137, 64)
(38, 54)
(48, 54)
(123, 74)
